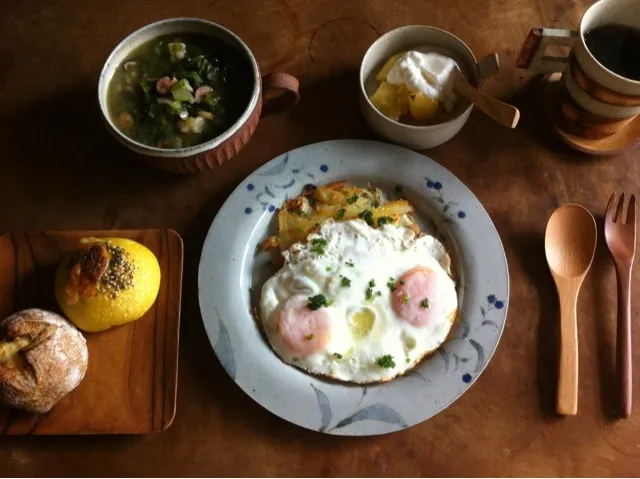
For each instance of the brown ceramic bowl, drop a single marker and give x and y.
(215, 152)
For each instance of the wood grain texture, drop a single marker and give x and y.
(506, 424)
(131, 382)
(570, 244)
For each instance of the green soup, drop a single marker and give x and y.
(179, 90)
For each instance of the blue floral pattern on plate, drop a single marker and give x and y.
(229, 259)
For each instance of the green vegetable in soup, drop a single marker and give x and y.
(179, 91)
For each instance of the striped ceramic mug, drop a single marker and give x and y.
(593, 101)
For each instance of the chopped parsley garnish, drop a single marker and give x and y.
(391, 284)
(408, 360)
(309, 337)
(318, 244)
(369, 292)
(345, 282)
(349, 263)
(367, 215)
(398, 189)
(337, 355)
(317, 302)
(383, 220)
(425, 303)
(401, 282)
(312, 202)
(353, 199)
(329, 268)
(386, 362)
(303, 214)
(405, 298)
(341, 214)
(252, 290)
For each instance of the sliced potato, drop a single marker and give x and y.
(382, 74)
(385, 99)
(304, 214)
(423, 108)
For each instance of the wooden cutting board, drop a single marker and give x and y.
(131, 382)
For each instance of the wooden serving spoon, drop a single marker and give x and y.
(503, 113)
(570, 243)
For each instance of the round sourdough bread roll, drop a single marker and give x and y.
(43, 357)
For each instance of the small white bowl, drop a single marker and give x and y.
(423, 38)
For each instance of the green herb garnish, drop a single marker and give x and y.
(408, 360)
(367, 215)
(386, 362)
(345, 282)
(337, 355)
(317, 302)
(383, 220)
(391, 284)
(405, 298)
(425, 303)
(349, 263)
(318, 244)
(329, 268)
(303, 214)
(353, 199)
(341, 214)
(401, 282)
(369, 292)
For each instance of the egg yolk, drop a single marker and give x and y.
(361, 322)
(303, 331)
(416, 298)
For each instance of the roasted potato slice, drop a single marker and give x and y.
(339, 201)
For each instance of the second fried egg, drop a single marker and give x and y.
(360, 304)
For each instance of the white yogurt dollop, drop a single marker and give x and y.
(432, 74)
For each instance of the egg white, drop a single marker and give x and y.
(355, 250)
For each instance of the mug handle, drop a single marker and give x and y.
(289, 98)
(532, 54)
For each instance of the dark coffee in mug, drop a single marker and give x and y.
(616, 47)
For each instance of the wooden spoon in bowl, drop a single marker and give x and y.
(503, 113)
(569, 243)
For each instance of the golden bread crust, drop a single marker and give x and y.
(43, 357)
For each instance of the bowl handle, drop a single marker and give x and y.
(289, 96)
(487, 67)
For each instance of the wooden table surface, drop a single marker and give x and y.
(61, 170)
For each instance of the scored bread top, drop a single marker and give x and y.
(42, 358)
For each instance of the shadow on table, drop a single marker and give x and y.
(530, 249)
(64, 152)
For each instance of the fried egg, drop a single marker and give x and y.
(359, 304)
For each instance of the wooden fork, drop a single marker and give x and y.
(620, 233)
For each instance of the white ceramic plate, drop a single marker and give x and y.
(231, 273)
